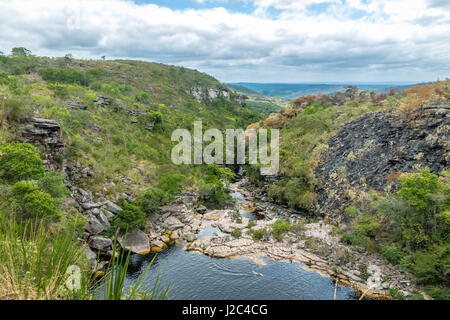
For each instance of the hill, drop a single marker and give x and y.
(293, 91)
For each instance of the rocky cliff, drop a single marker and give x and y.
(371, 152)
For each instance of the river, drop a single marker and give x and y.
(194, 276)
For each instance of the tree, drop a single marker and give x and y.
(20, 52)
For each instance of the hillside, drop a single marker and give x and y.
(85, 152)
(376, 167)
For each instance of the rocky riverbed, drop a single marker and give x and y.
(316, 247)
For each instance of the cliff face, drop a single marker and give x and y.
(371, 152)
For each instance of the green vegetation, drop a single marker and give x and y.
(129, 218)
(258, 234)
(279, 228)
(411, 229)
(116, 118)
(236, 233)
(19, 161)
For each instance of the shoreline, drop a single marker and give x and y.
(317, 249)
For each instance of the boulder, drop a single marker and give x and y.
(173, 223)
(94, 226)
(100, 242)
(135, 241)
(112, 207)
(189, 237)
(90, 205)
(201, 209)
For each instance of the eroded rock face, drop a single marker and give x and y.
(371, 152)
(45, 133)
(204, 94)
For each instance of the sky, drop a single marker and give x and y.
(282, 41)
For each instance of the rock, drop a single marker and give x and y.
(103, 220)
(90, 205)
(189, 237)
(102, 101)
(94, 226)
(91, 256)
(157, 246)
(165, 239)
(201, 209)
(370, 152)
(173, 223)
(47, 134)
(100, 242)
(112, 207)
(135, 241)
(109, 215)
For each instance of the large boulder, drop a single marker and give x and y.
(112, 207)
(173, 223)
(135, 241)
(94, 226)
(100, 243)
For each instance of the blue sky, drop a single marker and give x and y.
(283, 41)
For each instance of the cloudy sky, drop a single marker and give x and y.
(245, 40)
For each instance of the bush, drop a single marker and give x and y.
(20, 161)
(53, 183)
(142, 96)
(171, 182)
(152, 199)
(40, 204)
(131, 217)
(63, 75)
(236, 233)
(392, 254)
(33, 202)
(258, 234)
(15, 111)
(279, 228)
(155, 117)
(214, 195)
(431, 266)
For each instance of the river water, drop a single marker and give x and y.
(194, 276)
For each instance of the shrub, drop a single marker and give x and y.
(171, 182)
(20, 161)
(258, 234)
(251, 224)
(142, 96)
(152, 199)
(53, 183)
(279, 228)
(213, 195)
(40, 204)
(155, 117)
(431, 266)
(236, 233)
(14, 110)
(63, 75)
(392, 254)
(418, 189)
(131, 217)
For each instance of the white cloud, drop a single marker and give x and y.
(359, 40)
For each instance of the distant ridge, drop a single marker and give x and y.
(292, 91)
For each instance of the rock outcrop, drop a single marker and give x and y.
(47, 134)
(371, 152)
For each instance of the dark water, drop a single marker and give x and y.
(194, 276)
